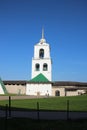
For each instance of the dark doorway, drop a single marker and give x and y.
(57, 93)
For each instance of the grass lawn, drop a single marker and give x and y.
(76, 103)
(28, 124)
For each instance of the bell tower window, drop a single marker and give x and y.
(37, 67)
(45, 67)
(41, 53)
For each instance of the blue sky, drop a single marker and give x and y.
(65, 25)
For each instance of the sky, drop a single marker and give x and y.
(65, 29)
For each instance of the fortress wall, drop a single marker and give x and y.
(16, 89)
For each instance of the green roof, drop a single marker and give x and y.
(3, 86)
(39, 78)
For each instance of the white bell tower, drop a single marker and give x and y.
(41, 62)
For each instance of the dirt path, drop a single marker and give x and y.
(19, 97)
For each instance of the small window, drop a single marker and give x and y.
(45, 67)
(37, 67)
(41, 53)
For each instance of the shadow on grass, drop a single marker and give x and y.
(32, 124)
(26, 124)
(36, 109)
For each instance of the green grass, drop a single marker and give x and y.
(76, 103)
(28, 124)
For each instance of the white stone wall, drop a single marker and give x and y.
(38, 89)
(16, 89)
(72, 93)
(81, 92)
(60, 89)
(75, 92)
(1, 89)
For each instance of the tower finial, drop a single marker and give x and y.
(42, 33)
(42, 40)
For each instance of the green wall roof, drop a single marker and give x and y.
(39, 78)
(3, 86)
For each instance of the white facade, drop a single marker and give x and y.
(75, 93)
(1, 89)
(41, 62)
(38, 89)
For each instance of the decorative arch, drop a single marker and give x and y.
(57, 93)
(41, 53)
(37, 67)
(45, 67)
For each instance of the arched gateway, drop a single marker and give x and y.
(57, 93)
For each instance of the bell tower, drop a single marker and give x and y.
(41, 62)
